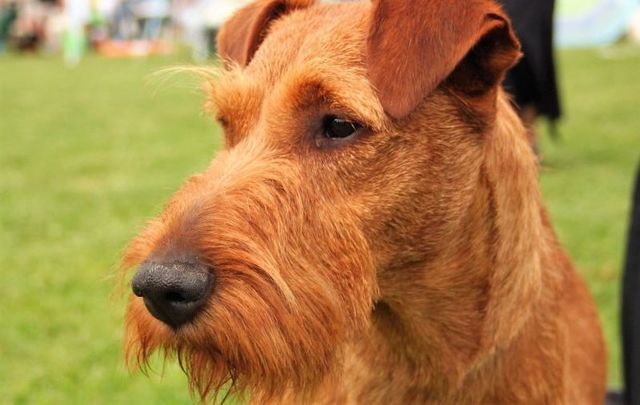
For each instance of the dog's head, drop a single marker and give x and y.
(356, 134)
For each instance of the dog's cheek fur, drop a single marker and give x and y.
(412, 183)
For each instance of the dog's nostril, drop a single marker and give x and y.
(173, 292)
(174, 296)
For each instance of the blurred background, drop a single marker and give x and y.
(91, 146)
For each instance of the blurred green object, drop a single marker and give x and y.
(88, 154)
(74, 44)
(8, 15)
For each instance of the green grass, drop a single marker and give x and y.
(87, 154)
(588, 175)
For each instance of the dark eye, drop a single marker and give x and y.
(338, 128)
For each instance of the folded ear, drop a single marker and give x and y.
(414, 45)
(241, 36)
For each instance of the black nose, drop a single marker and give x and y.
(173, 292)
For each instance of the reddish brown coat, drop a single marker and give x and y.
(413, 263)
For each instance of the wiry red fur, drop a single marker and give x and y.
(412, 264)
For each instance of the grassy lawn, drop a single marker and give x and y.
(87, 154)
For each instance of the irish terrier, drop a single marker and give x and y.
(372, 231)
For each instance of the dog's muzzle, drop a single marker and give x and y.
(173, 292)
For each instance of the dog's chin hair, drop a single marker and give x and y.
(283, 356)
(208, 374)
(206, 370)
(212, 377)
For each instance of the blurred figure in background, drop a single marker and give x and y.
(532, 82)
(188, 15)
(151, 15)
(101, 16)
(55, 28)
(199, 21)
(631, 305)
(114, 28)
(78, 15)
(29, 29)
(123, 24)
(216, 13)
(8, 15)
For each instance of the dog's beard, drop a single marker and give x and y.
(248, 341)
(258, 336)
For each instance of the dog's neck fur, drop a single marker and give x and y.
(440, 340)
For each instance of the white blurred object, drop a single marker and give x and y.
(634, 27)
(199, 19)
(151, 8)
(189, 18)
(106, 8)
(77, 12)
(588, 23)
(216, 12)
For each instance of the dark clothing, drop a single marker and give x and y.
(532, 82)
(631, 305)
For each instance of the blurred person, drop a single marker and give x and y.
(188, 17)
(77, 14)
(101, 14)
(8, 15)
(29, 26)
(532, 82)
(123, 23)
(200, 21)
(55, 28)
(631, 305)
(151, 15)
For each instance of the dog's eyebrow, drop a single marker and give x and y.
(341, 93)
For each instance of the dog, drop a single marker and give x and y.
(372, 231)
